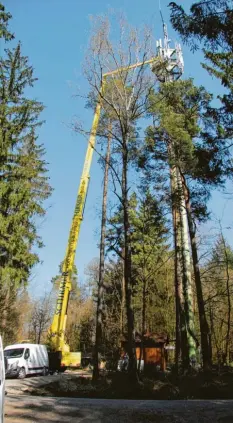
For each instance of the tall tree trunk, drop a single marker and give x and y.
(187, 278)
(122, 321)
(178, 280)
(127, 267)
(228, 303)
(204, 327)
(143, 327)
(99, 310)
(144, 307)
(181, 333)
(5, 311)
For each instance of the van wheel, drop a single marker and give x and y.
(45, 372)
(22, 373)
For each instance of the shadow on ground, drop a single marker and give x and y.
(48, 410)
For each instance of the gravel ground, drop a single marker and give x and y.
(25, 409)
(22, 386)
(22, 408)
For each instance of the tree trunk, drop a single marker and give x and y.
(181, 333)
(143, 328)
(99, 310)
(127, 267)
(39, 335)
(122, 321)
(8, 294)
(228, 303)
(144, 306)
(5, 311)
(187, 278)
(204, 327)
(177, 280)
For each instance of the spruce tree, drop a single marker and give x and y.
(24, 181)
(24, 184)
(5, 34)
(209, 24)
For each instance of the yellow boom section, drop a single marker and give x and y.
(57, 330)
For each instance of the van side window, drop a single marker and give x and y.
(27, 353)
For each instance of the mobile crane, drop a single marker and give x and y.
(174, 64)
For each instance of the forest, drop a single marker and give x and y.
(164, 145)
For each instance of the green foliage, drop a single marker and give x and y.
(151, 269)
(208, 21)
(218, 288)
(184, 134)
(148, 235)
(24, 183)
(175, 109)
(209, 24)
(113, 312)
(9, 314)
(4, 18)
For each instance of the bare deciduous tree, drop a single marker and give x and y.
(40, 319)
(123, 91)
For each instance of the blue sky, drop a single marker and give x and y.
(54, 34)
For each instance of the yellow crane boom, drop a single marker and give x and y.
(57, 330)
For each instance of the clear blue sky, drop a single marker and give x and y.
(54, 34)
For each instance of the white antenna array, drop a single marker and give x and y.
(173, 56)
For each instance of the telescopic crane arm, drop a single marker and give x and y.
(57, 330)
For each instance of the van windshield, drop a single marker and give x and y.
(14, 352)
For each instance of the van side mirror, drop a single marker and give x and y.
(5, 363)
(27, 354)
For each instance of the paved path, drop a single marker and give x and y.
(25, 409)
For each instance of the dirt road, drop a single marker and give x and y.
(20, 407)
(23, 386)
(25, 409)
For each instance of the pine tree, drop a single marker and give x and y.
(181, 138)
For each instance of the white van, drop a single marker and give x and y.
(26, 359)
(2, 382)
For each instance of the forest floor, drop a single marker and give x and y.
(218, 385)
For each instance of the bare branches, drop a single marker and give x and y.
(129, 86)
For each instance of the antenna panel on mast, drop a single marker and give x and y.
(172, 58)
